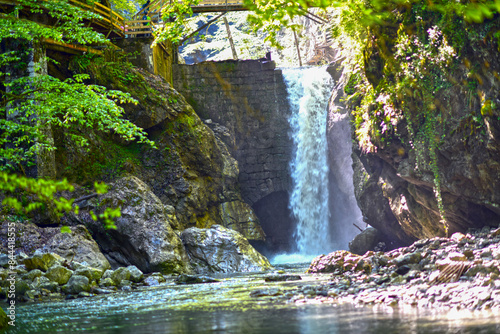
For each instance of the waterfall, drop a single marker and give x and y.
(308, 92)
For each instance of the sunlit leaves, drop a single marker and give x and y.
(126, 7)
(100, 187)
(38, 192)
(69, 104)
(272, 16)
(32, 104)
(175, 25)
(69, 29)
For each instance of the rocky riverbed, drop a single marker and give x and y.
(460, 272)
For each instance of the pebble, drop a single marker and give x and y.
(408, 275)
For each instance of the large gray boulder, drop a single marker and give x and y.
(59, 274)
(78, 246)
(143, 236)
(48, 243)
(77, 284)
(42, 261)
(218, 249)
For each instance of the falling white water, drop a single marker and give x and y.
(308, 92)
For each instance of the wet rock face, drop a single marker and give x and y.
(78, 246)
(144, 236)
(218, 249)
(239, 216)
(395, 193)
(191, 171)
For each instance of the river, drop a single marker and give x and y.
(228, 307)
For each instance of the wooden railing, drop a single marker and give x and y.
(149, 19)
(111, 19)
(136, 28)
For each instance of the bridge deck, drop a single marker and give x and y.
(218, 6)
(149, 17)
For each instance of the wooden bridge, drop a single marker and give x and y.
(149, 17)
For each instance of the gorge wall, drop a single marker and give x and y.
(428, 128)
(249, 98)
(245, 102)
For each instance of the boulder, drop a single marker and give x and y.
(108, 281)
(93, 274)
(120, 274)
(75, 246)
(59, 274)
(42, 261)
(151, 281)
(191, 279)
(366, 241)
(282, 278)
(339, 262)
(77, 284)
(39, 281)
(21, 287)
(78, 246)
(143, 235)
(154, 279)
(135, 274)
(32, 274)
(218, 249)
(239, 216)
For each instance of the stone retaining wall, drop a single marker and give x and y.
(249, 98)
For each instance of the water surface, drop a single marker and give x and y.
(227, 307)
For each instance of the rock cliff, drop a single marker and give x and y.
(191, 170)
(427, 159)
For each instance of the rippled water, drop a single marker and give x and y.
(227, 307)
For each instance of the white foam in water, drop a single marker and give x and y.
(291, 258)
(308, 92)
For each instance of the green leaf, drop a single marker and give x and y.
(65, 229)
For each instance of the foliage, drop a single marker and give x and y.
(126, 7)
(405, 59)
(68, 104)
(33, 101)
(175, 17)
(37, 194)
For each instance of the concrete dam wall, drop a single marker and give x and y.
(249, 98)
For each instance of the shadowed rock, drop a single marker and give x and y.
(143, 236)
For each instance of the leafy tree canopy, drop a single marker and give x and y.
(271, 16)
(32, 103)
